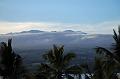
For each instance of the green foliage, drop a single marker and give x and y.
(57, 63)
(114, 54)
(11, 63)
(98, 69)
(117, 44)
(106, 66)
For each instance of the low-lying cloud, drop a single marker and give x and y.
(98, 28)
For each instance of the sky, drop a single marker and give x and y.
(91, 16)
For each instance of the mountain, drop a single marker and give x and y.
(70, 31)
(38, 31)
(30, 31)
(33, 45)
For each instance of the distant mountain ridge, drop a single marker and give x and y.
(39, 31)
(29, 31)
(68, 31)
(32, 31)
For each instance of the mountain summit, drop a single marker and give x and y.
(32, 31)
(68, 31)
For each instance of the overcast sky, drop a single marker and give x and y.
(92, 16)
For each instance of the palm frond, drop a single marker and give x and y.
(104, 51)
(57, 62)
(3, 45)
(115, 36)
(49, 56)
(119, 30)
(68, 57)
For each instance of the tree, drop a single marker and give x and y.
(112, 61)
(104, 68)
(11, 63)
(98, 69)
(57, 63)
(117, 44)
(115, 53)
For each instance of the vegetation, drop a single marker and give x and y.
(113, 56)
(57, 63)
(115, 53)
(11, 63)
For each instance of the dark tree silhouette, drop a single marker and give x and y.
(57, 63)
(112, 62)
(11, 63)
(98, 69)
(115, 53)
(104, 68)
(117, 44)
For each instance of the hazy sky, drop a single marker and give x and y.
(92, 16)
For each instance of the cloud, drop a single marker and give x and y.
(102, 28)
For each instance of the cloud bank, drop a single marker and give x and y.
(98, 28)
